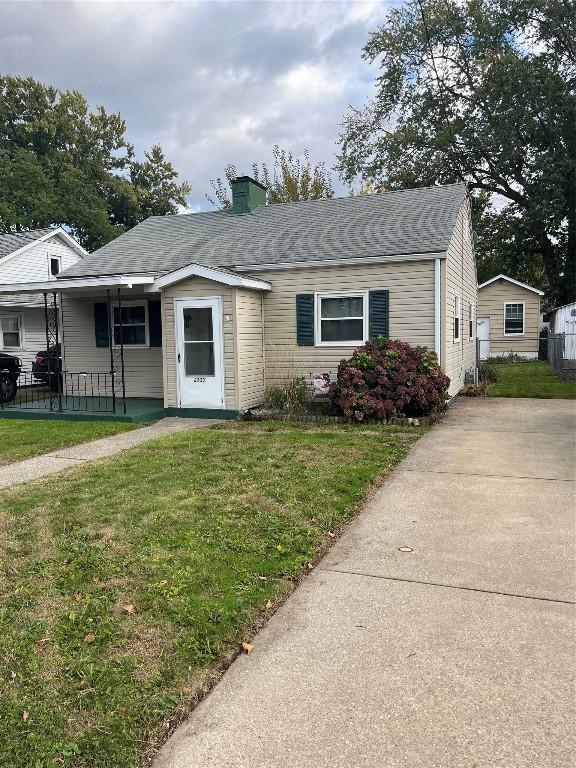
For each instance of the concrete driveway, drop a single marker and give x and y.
(456, 654)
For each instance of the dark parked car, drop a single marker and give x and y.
(10, 368)
(48, 362)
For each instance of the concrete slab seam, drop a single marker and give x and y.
(446, 586)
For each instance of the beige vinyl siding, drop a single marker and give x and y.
(142, 366)
(250, 347)
(459, 277)
(491, 300)
(411, 286)
(197, 288)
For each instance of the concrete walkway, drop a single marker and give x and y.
(457, 654)
(55, 461)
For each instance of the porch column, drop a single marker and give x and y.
(117, 372)
(52, 341)
(122, 372)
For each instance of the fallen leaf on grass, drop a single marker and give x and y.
(268, 605)
(247, 647)
(310, 567)
(77, 597)
(331, 535)
(25, 715)
(90, 638)
(128, 608)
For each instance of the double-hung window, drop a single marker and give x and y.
(133, 330)
(341, 319)
(514, 318)
(471, 321)
(11, 332)
(457, 317)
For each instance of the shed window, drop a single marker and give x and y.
(134, 328)
(457, 317)
(513, 319)
(341, 319)
(11, 332)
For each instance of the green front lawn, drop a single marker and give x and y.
(530, 379)
(22, 439)
(130, 582)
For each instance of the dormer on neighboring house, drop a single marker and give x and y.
(38, 255)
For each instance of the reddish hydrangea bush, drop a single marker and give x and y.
(390, 378)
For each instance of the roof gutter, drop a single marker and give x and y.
(341, 262)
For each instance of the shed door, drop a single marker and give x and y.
(199, 356)
(483, 336)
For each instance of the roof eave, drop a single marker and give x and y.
(511, 280)
(341, 262)
(210, 273)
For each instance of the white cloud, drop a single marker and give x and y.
(212, 82)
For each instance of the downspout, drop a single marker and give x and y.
(437, 311)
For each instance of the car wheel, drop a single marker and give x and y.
(8, 387)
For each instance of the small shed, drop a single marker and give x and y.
(563, 322)
(508, 319)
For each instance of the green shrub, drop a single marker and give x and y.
(291, 397)
(487, 372)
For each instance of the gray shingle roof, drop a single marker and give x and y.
(409, 221)
(13, 242)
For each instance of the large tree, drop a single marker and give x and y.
(63, 164)
(481, 91)
(290, 180)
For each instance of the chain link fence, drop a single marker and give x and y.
(559, 350)
(561, 353)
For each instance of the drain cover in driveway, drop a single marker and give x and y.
(405, 549)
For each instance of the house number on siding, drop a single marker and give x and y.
(199, 379)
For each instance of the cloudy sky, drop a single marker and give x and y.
(212, 82)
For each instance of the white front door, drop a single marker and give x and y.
(199, 356)
(483, 336)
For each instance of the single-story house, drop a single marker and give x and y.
(35, 255)
(208, 309)
(508, 318)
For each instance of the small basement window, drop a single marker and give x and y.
(514, 318)
(11, 332)
(341, 319)
(457, 317)
(134, 328)
(55, 266)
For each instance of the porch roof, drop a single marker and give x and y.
(79, 283)
(150, 283)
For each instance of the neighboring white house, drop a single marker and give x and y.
(35, 256)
